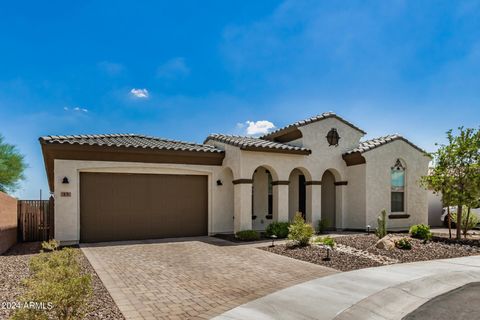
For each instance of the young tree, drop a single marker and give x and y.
(457, 169)
(12, 166)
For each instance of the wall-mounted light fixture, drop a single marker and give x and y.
(219, 183)
(65, 180)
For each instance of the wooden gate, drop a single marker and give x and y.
(35, 220)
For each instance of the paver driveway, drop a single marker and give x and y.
(191, 278)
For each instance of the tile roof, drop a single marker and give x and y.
(251, 143)
(316, 118)
(128, 141)
(367, 145)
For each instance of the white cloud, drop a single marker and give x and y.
(258, 127)
(139, 93)
(76, 109)
(173, 68)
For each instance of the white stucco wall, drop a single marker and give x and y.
(67, 209)
(354, 212)
(378, 183)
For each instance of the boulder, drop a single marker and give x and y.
(387, 242)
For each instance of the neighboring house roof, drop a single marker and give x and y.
(128, 141)
(294, 126)
(368, 145)
(257, 144)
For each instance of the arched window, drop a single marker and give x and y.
(398, 187)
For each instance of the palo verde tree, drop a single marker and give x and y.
(457, 171)
(12, 166)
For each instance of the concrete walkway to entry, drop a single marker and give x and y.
(388, 292)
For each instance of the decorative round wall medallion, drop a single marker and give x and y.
(332, 137)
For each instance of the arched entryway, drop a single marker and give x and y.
(298, 196)
(262, 197)
(329, 199)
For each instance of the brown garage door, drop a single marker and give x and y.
(117, 206)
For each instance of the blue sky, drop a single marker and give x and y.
(77, 67)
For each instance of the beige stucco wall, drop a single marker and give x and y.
(67, 209)
(354, 212)
(435, 209)
(378, 169)
(8, 221)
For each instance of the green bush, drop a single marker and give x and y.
(403, 244)
(472, 219)
(327, 241)
(381, 230)
(247, 235)
(421, 231)
(322, 225)
(279, 229)
(56, 280)
(299, 231)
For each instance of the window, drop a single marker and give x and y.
(398, 187)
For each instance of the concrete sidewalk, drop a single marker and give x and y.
(388, 292)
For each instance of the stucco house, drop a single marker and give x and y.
(127, 186)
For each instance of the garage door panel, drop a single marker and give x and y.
(142, 206)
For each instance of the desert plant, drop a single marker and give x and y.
(403, 244)
(469, 221)
(247, 235)
(327, 241)
(322, 225)
(50, 245)
(279, 229)
(57, 280)
(381, 230)
(299, 231)
(421, 231)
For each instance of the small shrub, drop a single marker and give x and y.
(421, 231)
(327, 241)
(299, 231)
(50, 245)
(322, 225)
(279, 229)
(57, 281)
(472, 220)
(403, 244)
(247, 235)
(381, 230)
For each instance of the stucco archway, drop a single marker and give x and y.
(329, 200)
(299, 197)
(262, 197)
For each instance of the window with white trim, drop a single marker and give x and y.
(398, 187)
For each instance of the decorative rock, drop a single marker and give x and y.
(387, 242)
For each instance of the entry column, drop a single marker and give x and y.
(280, 200)
(314, 202)
(242, 199)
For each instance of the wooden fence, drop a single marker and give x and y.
(35, 220)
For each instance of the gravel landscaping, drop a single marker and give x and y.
(14, 267)
(315, 254)
(359, 251)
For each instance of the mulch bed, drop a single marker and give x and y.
(315, 254)
(232, 238)
(438, 248)
(14, 267)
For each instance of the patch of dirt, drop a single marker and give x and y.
(14, 267)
